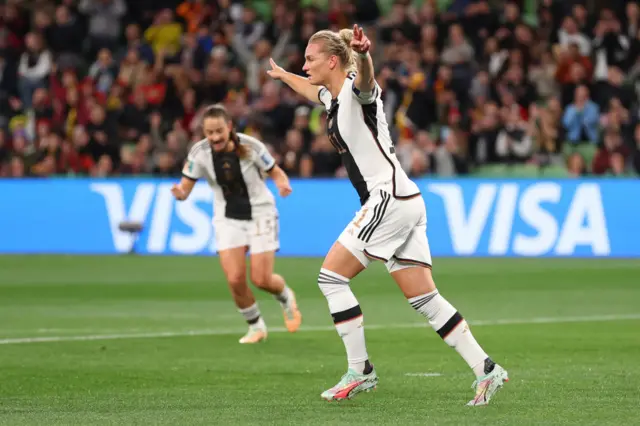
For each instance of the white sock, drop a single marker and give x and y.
(452, 327)
(253, 317)
(283, 296)
(347, 316)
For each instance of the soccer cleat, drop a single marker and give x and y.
(292, 315)
(254, 335)
(350, 385)
(486, 386)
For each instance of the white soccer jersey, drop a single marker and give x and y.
(238, 185)
(358, 129)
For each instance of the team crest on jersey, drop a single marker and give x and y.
(228, 173)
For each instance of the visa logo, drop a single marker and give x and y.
(495, 207)
(198, 232)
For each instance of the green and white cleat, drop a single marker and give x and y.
(486, 386)
(351, 384)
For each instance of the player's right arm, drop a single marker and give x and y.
(191, 172)
(298, 83)
(182, 190)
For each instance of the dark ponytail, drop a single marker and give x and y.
(219, 111)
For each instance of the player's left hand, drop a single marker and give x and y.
(178, 192)
(360, 42)
(284, 189)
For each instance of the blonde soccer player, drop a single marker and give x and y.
(391, 224)
(245, 216)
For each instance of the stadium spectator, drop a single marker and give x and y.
(467, 85)
(581, 118)
(105, 23)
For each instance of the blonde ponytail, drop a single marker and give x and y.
(346, 35)
(338, 44)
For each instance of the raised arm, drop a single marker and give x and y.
(298, 83)
(365, 81)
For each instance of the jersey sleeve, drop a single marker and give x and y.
(192, 168)
(366, 98)
(325, 97)
(263, 159)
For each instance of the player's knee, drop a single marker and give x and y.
(331, 283)
(237, 282)
(261, 279)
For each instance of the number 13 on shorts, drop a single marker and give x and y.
(265, 234)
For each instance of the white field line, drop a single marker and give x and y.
(234, 331)
(423, 374)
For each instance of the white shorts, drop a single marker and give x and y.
(391, 230)
(259, 234)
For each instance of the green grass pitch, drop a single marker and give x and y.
(153, 340)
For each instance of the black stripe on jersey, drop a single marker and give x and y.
(355, 176)
(370, 114)
(229, 176)
(351, 75)
(358, 91)
(189, 177)
(259, 172)
(320, 92)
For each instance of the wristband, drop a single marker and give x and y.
(364, 55)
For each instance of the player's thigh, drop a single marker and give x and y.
(262, 267)
(231, 234)
(410, 265)
(231, 243)
(381, 226)
(234, 266)
(343, 261)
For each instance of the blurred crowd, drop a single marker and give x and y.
(115, 87)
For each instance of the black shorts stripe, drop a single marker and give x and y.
(348, 315)
(189, 177)
(373, 256)
(416, 262)
(448, 327)
(376, 213)
(386, 197)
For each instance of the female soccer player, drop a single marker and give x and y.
(391, 225)
(245, 215)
